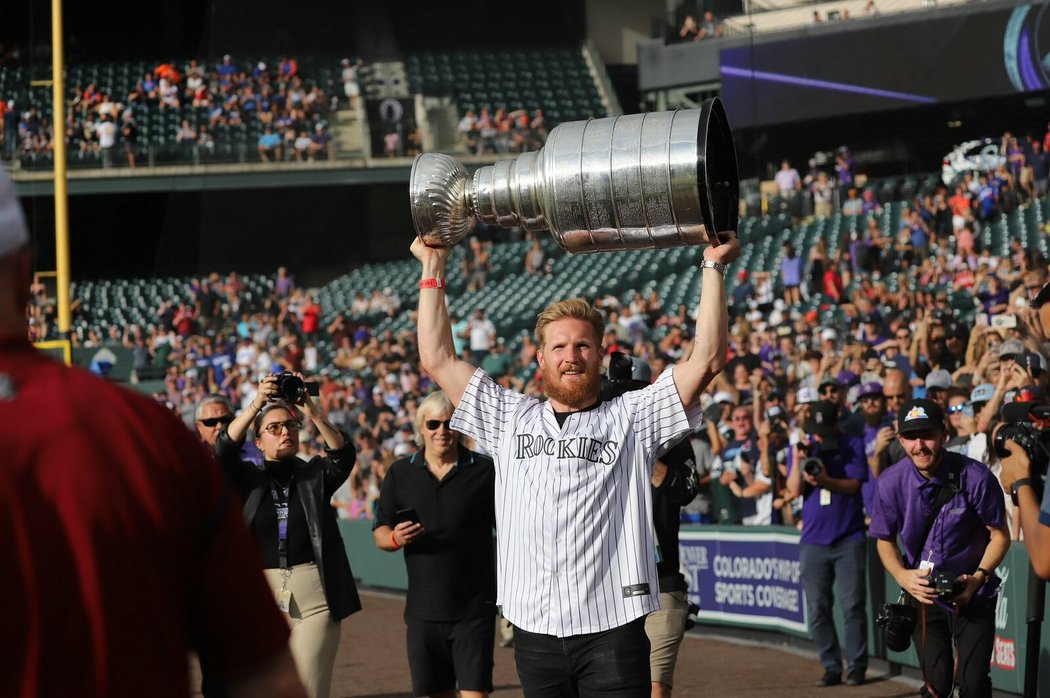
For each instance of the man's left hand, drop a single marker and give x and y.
(725, 253)
(971, 584)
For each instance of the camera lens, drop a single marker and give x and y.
(289, 387)
(812, 467)
(898, 624)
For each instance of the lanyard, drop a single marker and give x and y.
(280, 505)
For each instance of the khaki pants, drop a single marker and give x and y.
(315, 637)
(665, 629)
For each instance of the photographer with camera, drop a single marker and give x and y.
(1023, 449)
(828, 468)
(948, 512)
(287, 506)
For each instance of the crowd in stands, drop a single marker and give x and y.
(867, 324)
(502, 131)
(291, 111)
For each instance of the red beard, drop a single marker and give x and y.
(575, 392)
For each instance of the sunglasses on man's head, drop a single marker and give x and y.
(433, 424)
(215, 421)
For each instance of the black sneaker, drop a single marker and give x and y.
(829, 679)
(856, 680)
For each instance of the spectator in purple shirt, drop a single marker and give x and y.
(968, 538)
(832, 547)
(791, 275)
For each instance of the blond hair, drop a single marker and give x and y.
(435, 403)
(576, 308)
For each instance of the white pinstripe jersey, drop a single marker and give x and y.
(576, 548)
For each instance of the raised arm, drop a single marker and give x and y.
(437, 353)
(712, 326)
(240, 425)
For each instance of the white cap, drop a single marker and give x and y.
(829, 335)
(13, 230)
(724, 396)
(939, 378)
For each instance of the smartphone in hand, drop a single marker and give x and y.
(409, 515)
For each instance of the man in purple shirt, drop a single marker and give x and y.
(832, 547)
(968, 538)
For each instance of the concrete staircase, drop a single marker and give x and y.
(442, 119)
(351, 132)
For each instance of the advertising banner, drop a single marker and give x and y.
(750, 578)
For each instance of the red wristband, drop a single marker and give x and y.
(432, 283)
(394, 542)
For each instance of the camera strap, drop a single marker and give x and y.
(944, 493)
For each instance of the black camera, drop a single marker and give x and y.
(897, 621)
(291, 387)
(690, 616)
(812, 467)
(621, 367)
(1035, 442)
(945, 584)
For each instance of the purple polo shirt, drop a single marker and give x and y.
(959, 535)
(843, 518)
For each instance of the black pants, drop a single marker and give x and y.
(614, 663)
(973, 629)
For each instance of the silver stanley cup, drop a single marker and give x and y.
(661, 179)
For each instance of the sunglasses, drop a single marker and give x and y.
(895, 397)
(956, 409)
(215, 421)
(434, 424)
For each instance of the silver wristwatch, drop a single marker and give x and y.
(717, 266)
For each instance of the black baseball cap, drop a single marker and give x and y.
(823, 418)
(918, 416)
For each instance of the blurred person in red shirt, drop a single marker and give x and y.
(128, 545)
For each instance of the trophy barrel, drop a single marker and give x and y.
(655, 180)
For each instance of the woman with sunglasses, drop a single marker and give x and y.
(287, 507)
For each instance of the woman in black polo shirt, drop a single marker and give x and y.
(287, 507)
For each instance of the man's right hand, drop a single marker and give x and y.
(406, 532)
(917, 584)
(427, 254)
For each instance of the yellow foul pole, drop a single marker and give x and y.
(58, 125)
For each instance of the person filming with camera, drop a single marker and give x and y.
(828, 468)
(287, 508)
(1023, 475)
(948, 511)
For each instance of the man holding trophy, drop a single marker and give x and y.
(576, 565)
